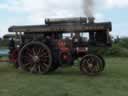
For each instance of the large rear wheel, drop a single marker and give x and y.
(35, 57)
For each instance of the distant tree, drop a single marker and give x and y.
(117, 40)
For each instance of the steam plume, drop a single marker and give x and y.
(88, 7)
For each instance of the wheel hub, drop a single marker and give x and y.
(36, 58)
(90, 66)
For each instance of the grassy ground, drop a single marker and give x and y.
(68, 82)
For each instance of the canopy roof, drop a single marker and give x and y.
(69, 27)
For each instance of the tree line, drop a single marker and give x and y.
(119, 48)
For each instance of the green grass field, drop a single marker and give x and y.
(67, 82)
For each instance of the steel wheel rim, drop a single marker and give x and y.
(35, 58)
(96, 64)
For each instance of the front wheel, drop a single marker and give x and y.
(92, 64)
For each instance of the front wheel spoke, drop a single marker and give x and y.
(93, 69)
(90, 61)
(97, 68)
(84, 67)
(84, 61)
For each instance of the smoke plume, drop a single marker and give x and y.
(88, 7)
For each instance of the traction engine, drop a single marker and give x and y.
(44, 48)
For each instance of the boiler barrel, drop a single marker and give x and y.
(66, 20)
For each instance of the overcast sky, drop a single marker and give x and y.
(27, 12)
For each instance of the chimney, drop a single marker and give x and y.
(91, 19)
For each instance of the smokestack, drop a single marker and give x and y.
(88, 7)
(91, 19)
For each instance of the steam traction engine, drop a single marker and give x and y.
(43, 48)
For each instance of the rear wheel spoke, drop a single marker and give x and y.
(39, 51)
(33, 50)
(39, 69)
(33, 68)
(28, 64)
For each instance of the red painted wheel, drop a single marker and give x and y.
(14, 57)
